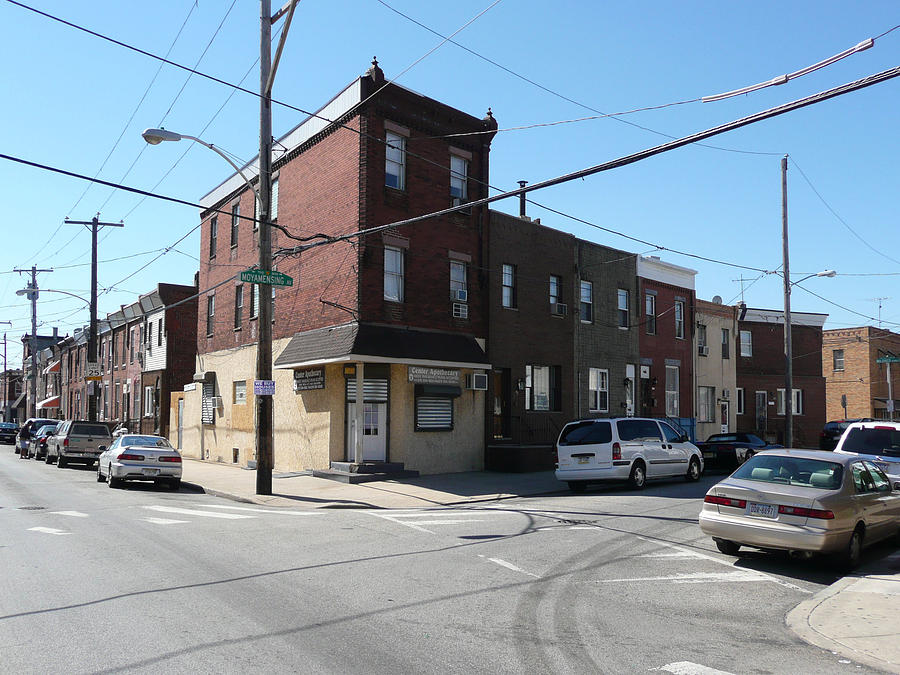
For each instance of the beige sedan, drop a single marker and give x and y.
(806, 501)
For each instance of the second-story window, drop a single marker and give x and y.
(586, 302)
(726, 343)
(459, 177)
(679, 319)
(159, 333)
(701, 341)
(213, 235)
(235, 218)
(508, 294)
(837, 358)
(746, 343)
(254, 300)
(395, 161)
(622, 303)
(458, 281)
(238, 305)
(274, 207)
(393, 274)
(555, 290)
(650, 313)
(210, 314)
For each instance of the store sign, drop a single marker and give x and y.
(264, 387)
(190, 387)
(308, 379)
(421, 375)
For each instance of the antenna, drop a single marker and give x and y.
(879, 301)
(742, 280)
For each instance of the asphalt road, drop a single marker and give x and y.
(98, 580)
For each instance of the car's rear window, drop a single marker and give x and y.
(583, 433)
(813, 473)
(7, 425)
(89, 430)
(632, 430)
(719, 438)
(146, 441)
(873, 441)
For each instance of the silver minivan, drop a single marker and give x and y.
(631, 449)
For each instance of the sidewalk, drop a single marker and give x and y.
(233, 482)
(856, 616)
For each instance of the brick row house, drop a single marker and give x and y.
(856, 384)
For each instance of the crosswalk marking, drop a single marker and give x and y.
(276, 511)
(76, 514)
(164, 521)
(694, 578)
(415, 519)
(192, 512)
(510, 566)
(689, 668)
(47, 530)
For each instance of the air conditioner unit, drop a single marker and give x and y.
(216, 401)
(703, 350)
(461, 295)
(460, 311)
(560, 308)
(477, 381)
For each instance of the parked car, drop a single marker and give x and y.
(727, 451)
(37, 446)
(878, 442)
(23, 438)
(140, 457)
(833, 431)
(78, 441)
(627, 448)
(808, 501)
(8, 432)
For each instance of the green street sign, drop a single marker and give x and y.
(266, 277)
(888, 359)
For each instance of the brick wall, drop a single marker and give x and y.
(863, 380)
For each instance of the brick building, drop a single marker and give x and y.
(761, 376)
(853, 374)
(405, 307)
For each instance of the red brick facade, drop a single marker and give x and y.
(851, 369)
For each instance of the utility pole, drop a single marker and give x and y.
(31, 292)
(5, 379)
(93, 368)
(788, 356)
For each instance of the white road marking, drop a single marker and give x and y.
(676, 556)
(510, 566)
(448, 522)
(689, 668)
(47, 530)
(164, 521)
(414, 519)
(694, 578)
(76, 514)
(286, 513)
(432, 514)
(191, 512)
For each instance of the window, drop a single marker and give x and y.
(457, 278)
(509, 286)
(672, 389)
(632, 430)
(210, 314)
(239, 391)
(459, 175)
(599, 390)
(159, 333)
(235, 214)
(622, 303)
(796, 402)
(149, 333)
(650, 313)
(586, 302)
(837, 359)
(238, 306)
(726, 341)
(395, 161)
(542, 388)
(254, 300)
(702, 347)
(393, 274)
(746, 343)
(148, 401)
(274, 206)
(679, 319)
(740, 400)
(213, 235)
(434, 413)
(706, 402)
(555, 289)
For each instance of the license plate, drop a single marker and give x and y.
(584, 460)
(709, 455)
(763, 510)
(151, 472)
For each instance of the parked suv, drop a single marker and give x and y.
(32, 424)
(626, 448)
(878, 442)
(78, 441)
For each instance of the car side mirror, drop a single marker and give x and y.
(102, 448)
(684, 439)
(897, 485)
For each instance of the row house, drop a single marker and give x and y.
(13, 395)
(714, 367)
(856, 384)
(760, 370)
(35, 403)
(403, 309)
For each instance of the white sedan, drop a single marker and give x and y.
(140, 457)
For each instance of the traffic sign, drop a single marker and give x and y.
(270, 277)
(92, 371)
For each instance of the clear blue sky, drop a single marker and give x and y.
(68, 96)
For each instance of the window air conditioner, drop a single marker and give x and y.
(460, 311)
(703, 350)
(461, 295)
(477, 382)
(216, 401)
(560, 308)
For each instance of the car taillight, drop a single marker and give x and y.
(806, 513)
(725, 501)
(616, 451)
(170, 459)
(65, 442)
(133, 458)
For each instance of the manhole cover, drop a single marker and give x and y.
(31, 508)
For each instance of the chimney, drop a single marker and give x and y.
(522, 183)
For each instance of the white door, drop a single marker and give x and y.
(374, 431)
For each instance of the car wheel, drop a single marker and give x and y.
(47, 458)
(727, 547)
(100, 477)
(577, 486)
(111, 481)
(849, 558)
(693, 472)
(638, 476)
(61, 462)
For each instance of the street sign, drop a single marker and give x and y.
(270, 277)
(888, 359)
(92, 372)
(264, 387)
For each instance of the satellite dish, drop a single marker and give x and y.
(717, 299)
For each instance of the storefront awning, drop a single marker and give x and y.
(52, 402)
(381, 344)
(52, 368)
